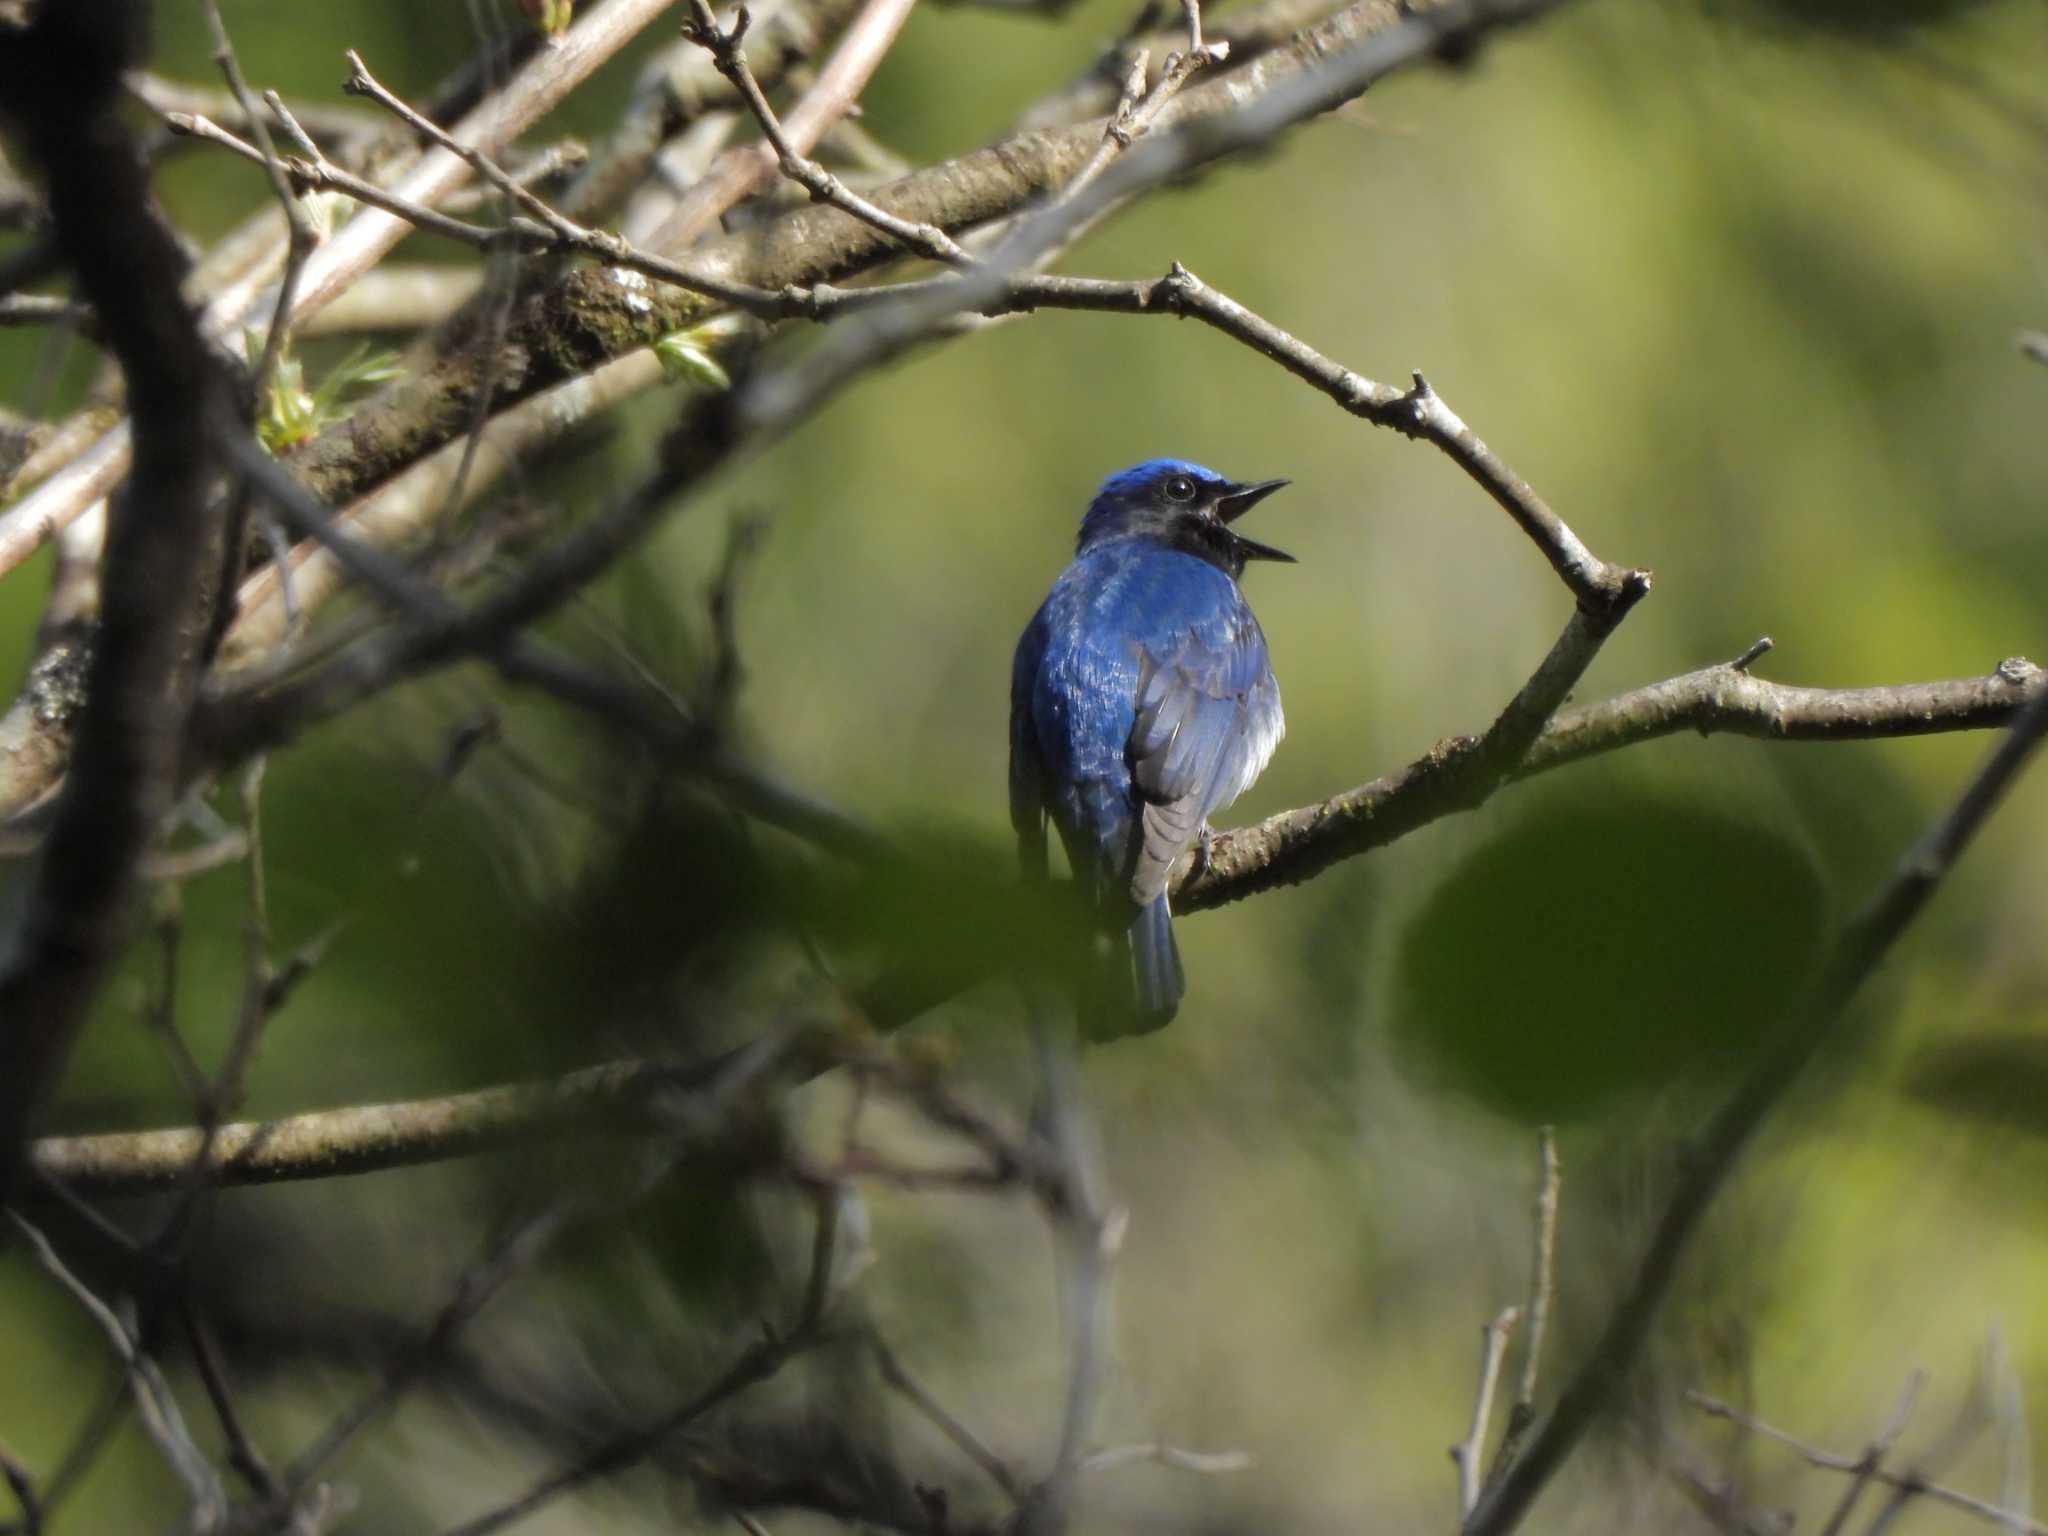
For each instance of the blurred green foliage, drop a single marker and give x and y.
(1603, 946)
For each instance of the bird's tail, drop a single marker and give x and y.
(1146, 979)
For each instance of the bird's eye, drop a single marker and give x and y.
(1179, 488)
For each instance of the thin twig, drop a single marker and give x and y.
(1866, 1469)
(1139, 107)
(1606, 591)
(1283, 94)
(970, 1445)
(761, 1360)
(242, 1453)
(1542, 1284)
(361, 82)
(739, 173)
(2009, 1408)
(1469, 1452)
(518, 235)
(712, 1092)
(300, 238)
(541, 82)
(1709, 1490)
(1157, 1453)
(154, 1404)
(723, 44)
(441, 629)
(1872, 1459)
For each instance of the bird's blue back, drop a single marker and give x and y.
(1141, 693)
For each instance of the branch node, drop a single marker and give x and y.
(1763, 646)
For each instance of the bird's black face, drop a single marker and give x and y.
(1185, 506)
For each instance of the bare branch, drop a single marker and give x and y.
(1249, 107)
(1295, 845)
(1606, 591)
(145, 658)
(1874, 1454)
(761, 1360)
(241, 1449)
(300, 238)
(556, 234)
(327, 1143)
(359, 245)
(1866, 1469)
(1247, 32)
(20, 309)
(723, 44)
(589, 316)
(351, 126)
(969, 1444)
(1202, 1463)
(1861, 949)
(741, 172)
(1542, 1284)
(358, 1139)
(441, 630)
(1467, 1454)
(1141, 105)
(154, 1404)
(397, 297)
(2009, 1408)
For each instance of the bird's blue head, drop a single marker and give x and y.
(1181, 505)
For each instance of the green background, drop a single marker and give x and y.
(1735, 288)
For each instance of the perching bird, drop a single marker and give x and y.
(1141, 703)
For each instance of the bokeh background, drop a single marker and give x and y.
(1735, 286)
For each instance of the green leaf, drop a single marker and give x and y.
(686, 355)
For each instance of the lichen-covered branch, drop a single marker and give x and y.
(362, 1138)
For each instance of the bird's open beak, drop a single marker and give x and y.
(1237, 501)
(1240, 499)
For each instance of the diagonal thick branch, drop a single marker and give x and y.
(61, 78)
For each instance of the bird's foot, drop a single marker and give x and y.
(1205, 847)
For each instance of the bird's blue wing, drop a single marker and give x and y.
(1027, 757)
(1208, 720)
